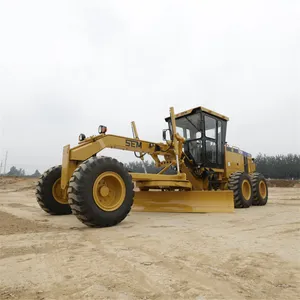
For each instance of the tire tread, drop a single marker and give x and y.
(77, 201)
(42, 197)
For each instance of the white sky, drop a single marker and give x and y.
(68, 66)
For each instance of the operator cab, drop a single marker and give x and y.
(205, 133)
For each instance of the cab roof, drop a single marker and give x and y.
(200, 108)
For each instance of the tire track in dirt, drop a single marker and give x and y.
(123, 276)
(157, 256)
(168, 274)
(189, 273)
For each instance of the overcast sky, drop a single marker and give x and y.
(68, 66)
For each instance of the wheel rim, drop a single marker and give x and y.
(262, 189)
(109, 191)
(246, 189)
(57, 193)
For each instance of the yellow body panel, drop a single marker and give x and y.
(234, 162)
(68, 167)
(100, 142)
(165, 184)
(161, 177)
(252, 165)
(161, 181)
(197, 184)
(184, 201)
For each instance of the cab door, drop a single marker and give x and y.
(214, 141)
(194, 148)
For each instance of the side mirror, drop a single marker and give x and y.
(166, 134)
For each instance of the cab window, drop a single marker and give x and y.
(210, 127)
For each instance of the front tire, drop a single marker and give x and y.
(260, 189)
(101, 192)
(240, 184)
(49, 195)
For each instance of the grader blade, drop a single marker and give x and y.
(184, 201)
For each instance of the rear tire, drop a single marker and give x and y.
(260, 189)
(48, 193)
(240, 184)
(101, 192)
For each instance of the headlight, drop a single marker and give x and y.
(102, 129)
(81, 137)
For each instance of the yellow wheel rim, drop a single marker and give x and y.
(246, 189)
(109, 191)
(58, 193)
(262, 189)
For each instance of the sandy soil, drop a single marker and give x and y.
(251, 254)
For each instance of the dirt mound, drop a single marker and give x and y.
(11, 224)
(17, 183)
(8, 180)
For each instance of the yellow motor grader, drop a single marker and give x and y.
(207, 175)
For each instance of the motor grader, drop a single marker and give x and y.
(208, 175)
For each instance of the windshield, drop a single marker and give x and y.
(189, 126)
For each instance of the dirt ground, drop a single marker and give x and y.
(250, 254)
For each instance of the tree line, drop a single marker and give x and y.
(20, 173)
(276, 167)
(279, 166)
